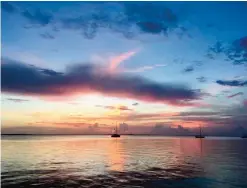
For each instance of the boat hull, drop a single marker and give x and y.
(115, 135)
(199, 136)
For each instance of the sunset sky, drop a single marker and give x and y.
(82, 67)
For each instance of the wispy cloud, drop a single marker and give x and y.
(119, 107)
(143, 69)
(188, 69)
(47, 35)
(201, 79)
(17, 100)
(236, 94)
(115, 61)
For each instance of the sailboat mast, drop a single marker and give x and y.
(116, 127)
(200, 130)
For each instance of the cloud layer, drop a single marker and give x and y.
(126, 18)
(80, 79)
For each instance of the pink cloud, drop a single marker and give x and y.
(114, 62)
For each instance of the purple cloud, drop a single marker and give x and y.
(79, 79)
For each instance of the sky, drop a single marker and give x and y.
(149, 67)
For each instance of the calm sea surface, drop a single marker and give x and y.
(129, 161)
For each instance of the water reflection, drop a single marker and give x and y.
(101, 161)
(116, 159)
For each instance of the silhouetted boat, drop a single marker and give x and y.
(244, 136)
(200, 135)
(115, 135)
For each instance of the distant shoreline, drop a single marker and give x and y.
(110, 134)
(88, 135)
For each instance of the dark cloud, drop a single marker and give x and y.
(127, 18)
(236, 94)
(79, 79)
(17, 100)
(47, 35)
(151, 17)
(188, 69)
(37, 17)
(135, 104)
(201, 79)
(236, 52)
(232, 83)
(8, 7)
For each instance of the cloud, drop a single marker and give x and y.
(188, 69)
(121, 107)
(134, 117)
(123, 127)
(106, 107)
(164, 129)
(151, 17)
(236, 94)
(236, 52)
(37, 17)
(8, 7)
(117, 60)
(127, 18)
(135, 104)
(143, 69)
(217, 48)
(233, 83)
(47, 35)
(201, 79)
(79, 79)
(17, 100)
(245, 102)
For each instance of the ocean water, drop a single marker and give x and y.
(129, 161)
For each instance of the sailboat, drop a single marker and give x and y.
(116, 133)
(200, 135)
